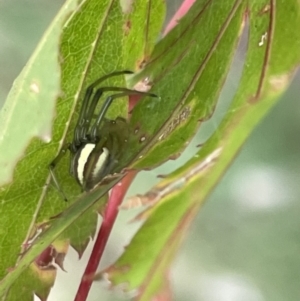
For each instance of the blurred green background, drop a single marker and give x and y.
(245, 242)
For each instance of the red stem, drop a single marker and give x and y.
(183, 9)
(111, 212)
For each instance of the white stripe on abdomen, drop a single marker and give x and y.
(101, 160)
(83, 157)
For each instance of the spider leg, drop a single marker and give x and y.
(85, 114)
(95, 128)
(52, 167)
(82, 128)
(91, 110)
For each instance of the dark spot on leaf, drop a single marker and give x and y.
(46, 258)
(142, 63)
(127, 27)
(174, 156)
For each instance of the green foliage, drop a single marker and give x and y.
(187, 70)
(181, 194)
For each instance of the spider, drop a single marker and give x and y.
(98, 142)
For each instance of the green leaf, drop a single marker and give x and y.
(271, 59)
(86, 41)
(187, 70)
(81, 55)
(53, 230)
(27, 113)
(139, 41)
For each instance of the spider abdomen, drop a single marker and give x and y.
(90, 165)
